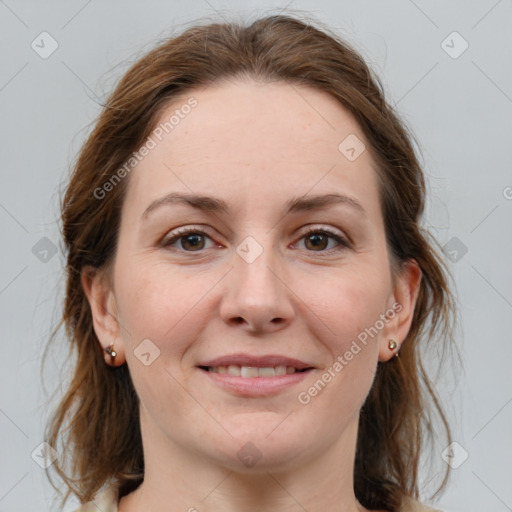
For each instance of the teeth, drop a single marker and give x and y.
(252, 371)
(264, 372)
(249, 371)
(280, 370)
(234, 370)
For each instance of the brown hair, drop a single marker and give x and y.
(101, 402)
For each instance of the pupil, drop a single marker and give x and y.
(317, 240)
(196, 240)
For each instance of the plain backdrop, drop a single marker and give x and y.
(447, 66)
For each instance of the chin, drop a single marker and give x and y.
(255, 451)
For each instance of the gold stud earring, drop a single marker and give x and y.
(392, 344)
(111, 352)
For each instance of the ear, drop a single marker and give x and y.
(402, 302)
(106, 324)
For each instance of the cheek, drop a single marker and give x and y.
(164, 308)
(169, 309)
(349, 308)
(341, 387)
(158, 304)
(347, 303)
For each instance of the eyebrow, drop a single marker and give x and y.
(295, 205)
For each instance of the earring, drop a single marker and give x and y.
(110, 350)
(392, 345)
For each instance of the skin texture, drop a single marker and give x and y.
(255, 146)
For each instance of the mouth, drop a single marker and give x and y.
(250, 372)
(255, 376)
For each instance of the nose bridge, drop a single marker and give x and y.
(255, 267)
(256, 292)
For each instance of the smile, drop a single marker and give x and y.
(250, 381)
(247, 372)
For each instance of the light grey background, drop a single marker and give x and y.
(459, 108)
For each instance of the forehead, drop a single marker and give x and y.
(246, 138)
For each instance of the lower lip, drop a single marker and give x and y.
(256, 386)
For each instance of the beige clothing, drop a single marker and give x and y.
(107, 502)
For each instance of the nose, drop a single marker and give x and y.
(256, 296)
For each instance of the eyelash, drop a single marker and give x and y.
(182, 233)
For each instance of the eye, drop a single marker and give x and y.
(317, 239)
(190, 239)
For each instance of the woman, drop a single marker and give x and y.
(248, 284)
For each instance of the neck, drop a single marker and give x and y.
(177, 479)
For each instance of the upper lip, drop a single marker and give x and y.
(259, 361)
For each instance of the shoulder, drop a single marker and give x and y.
(105, 501)
(412, 505)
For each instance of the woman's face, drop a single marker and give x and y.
(249, 171)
